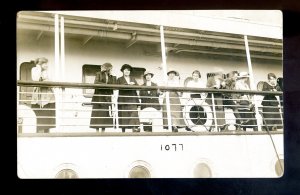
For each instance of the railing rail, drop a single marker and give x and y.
(73, 109)
(131, 87)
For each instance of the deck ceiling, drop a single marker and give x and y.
(178, 40)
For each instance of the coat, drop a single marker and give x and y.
(101, 79)
(149, 98)
(271, 111)
(125, 100)
(101, 101)
(128, 114)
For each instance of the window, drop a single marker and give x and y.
(25, 75)
(88, 76)
(202, 170)
(279, 167)
(139, 172)
(66, 174)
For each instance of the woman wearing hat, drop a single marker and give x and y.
(246, 107)
(175, 104)
(229, 99)
(128, 101)
(271, 111)
(149, 98)
(101, 101)
(216, 81)
(43, 99)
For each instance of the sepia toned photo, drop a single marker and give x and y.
(150, 94)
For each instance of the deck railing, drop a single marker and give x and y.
(71, 110)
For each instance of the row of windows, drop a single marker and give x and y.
(142, 170)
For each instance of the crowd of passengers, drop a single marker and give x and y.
(130, 101)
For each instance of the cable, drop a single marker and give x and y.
(271, 139)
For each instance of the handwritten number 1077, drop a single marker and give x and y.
(171, 147)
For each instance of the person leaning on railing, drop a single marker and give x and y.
(128, 101)
(198, 83)
(101, 101)
(43, 99)
(215, 81)
(177, 120)
(245, 101)
(271, 112)
(149, 99)
(229, 101)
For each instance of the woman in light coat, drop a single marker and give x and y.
(43, 99)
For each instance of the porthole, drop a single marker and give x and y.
(139, 172)
(279, 167)
(139, 169)
(202, 170)
(66, 174)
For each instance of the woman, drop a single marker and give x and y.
(246, 108)
(198, 83)
(216, 81)
(149, 98)
(271, 112)
(177, 120)
(101, 100)
(128, 101)
(43, 99)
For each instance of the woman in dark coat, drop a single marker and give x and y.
(128, 114)
(271, 111)
(101, 100)
(149, 98)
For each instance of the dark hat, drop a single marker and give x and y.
(126, 66)
(197, 72)
(107, 65)
(173, 71)
(148, 72)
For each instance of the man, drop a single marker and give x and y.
(101, 101)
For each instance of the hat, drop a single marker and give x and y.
(214, 74)
(42, 60)
(243, 75)
(197, 72)
(173, 71)
(148, 72)
(126, 66)
(107, 65)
